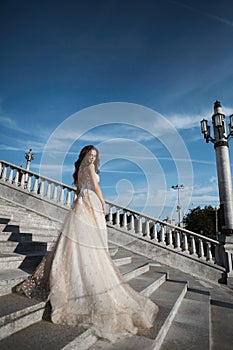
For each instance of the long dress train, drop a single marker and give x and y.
(85, 287)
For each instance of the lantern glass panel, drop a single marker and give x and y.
(218, 120)
(231, 121)
(204, 125)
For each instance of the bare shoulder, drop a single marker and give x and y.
(91, 168)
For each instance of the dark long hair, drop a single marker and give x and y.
(81, 157)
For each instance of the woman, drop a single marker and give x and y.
(85, 287)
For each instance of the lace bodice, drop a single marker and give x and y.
(84, 179)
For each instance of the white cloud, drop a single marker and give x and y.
(11, 124)
(8, 148)
(7, 122)
(185, 121)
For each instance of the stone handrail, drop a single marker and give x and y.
(164, 233)
(139, 224)
(36, 184)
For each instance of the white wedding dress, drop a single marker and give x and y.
(85, 287)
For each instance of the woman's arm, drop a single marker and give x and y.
(96, 186)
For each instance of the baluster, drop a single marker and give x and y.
(177, 240)
(48, 191)
(110, 215)
(54, 198)
(16, 179)
(139, 228)
(68, 198)
(201, 249)
(132, 223)
(147, 233)
(10, 178)
(218, 255)
(117, 217)
(209, 256)
(169, 235)
(35, 189)
(22, 180)
(26, 179)
(193, 246)
(41, 188)
(0, 169)
(162, 235)
(29, 182)
(61, 198)
(4, 172)
(229, 258)
(154, 235)
(185, 243)
(125, 220)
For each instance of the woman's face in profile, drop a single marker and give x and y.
(91, 156)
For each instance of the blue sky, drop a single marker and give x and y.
(134, 78)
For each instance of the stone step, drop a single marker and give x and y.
(28, 224)
(16, 237)
(14, 260)
(18, 312)
(12, 228)
(122, 261)
(10, 305)
(48, 336)
(168, 297)
(28, 237)
(149, 281)
(10, 261)
(45, 234)
(191, 324)
(22, 247)
(10, 278)
(27, 218)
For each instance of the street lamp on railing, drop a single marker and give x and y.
(220, 141)
(178, 207)
(29, 157)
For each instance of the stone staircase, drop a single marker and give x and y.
(178, 269)
(25, 238)
(193, 313)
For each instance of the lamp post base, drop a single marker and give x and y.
(229, 253)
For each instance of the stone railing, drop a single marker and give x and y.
(164, 233)
(36, 184)
(143, 226)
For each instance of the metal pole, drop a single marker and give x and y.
(29, 157)
(178, 207)
(223, 168)
(221, 146)
(216, 223)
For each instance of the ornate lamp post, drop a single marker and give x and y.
(220, 141)
(29, 157)
(178, 188)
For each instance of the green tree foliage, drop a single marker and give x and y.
(202, 220)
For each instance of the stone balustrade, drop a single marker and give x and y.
(143, 226)
(164, 233)
(42, 186)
